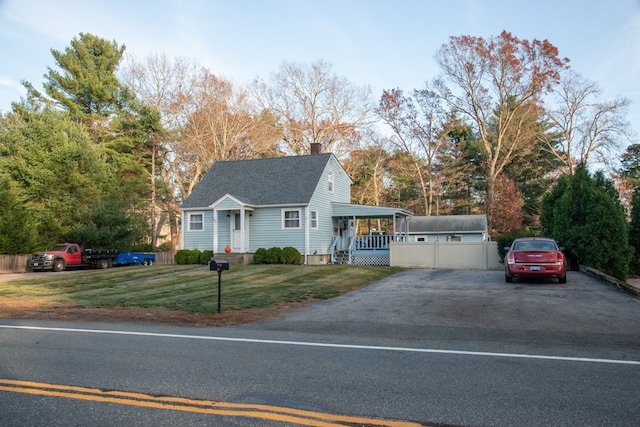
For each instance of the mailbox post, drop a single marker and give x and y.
(219, 265)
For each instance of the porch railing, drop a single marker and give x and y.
(373, 241)
(334, 246)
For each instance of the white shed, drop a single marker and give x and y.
(448, 228)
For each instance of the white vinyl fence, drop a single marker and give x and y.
(449, 255)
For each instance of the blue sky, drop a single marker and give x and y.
(382, 44)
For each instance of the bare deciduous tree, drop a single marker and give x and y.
(219, 128)
(367, 168)
(314, 105)
(168, 86)
(418, 129)
(207, 119)
(587, 128)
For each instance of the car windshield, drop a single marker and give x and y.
(58, 248)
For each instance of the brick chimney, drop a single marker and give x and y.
(316, 148)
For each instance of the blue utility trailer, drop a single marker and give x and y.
(135, 258)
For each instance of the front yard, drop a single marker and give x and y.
(178, 294)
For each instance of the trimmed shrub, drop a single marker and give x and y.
(290, 255)
(194, 256)
(260, 256)
(273, 255)
(205, 257)
(182, 256)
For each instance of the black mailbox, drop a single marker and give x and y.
(218, 264)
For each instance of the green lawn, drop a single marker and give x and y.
(190, 288)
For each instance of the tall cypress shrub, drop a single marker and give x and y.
(584, 213)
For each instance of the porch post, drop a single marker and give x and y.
(215, 230)
(394, 225)
(243, 248)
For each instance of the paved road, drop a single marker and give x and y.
(427, 346)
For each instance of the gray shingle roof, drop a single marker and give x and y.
(448, 224)
(259, 182)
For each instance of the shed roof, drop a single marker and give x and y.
(261, 182)
(448, 224)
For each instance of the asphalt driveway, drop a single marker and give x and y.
(477, 306)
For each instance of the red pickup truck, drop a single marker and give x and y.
(64, 255)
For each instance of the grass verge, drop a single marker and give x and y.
(168, 290)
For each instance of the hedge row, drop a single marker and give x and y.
(193, 256)
(288, 255)
(275, 255)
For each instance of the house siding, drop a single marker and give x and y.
(224, 231)
(267, 232)
(228, 204)
(466, 237)
(320, 239)
(198, 239)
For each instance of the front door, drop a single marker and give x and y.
(236, 233)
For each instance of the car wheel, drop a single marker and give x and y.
(103, 263)
(562, 279)
(508, 279)
(58, 265)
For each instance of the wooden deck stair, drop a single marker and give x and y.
(341, 257)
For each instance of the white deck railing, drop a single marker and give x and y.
(373, 242)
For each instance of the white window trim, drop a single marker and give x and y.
(284, 227)
(331, 184)
(312, 220)
(189, 222)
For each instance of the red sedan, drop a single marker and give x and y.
(535, 257)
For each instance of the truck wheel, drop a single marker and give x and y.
(147, 261)
(102, 263)
(58, 265)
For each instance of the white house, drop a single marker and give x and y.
(448, 228)
(298, 201)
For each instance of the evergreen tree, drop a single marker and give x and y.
(18, 233)
(584, 214)
(85, 85)
(107, 225)
(630, 172)
(634, 232)
(59, 176)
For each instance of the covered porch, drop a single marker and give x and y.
(363, 234)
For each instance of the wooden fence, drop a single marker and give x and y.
(18, 263)
(13, 263)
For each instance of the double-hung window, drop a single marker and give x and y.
(291, 218)
(196, 221)
(313, 219)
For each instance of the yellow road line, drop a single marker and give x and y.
(275, 413)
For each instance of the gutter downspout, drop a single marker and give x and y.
(215, 230)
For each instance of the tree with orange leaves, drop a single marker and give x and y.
(498, 84)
